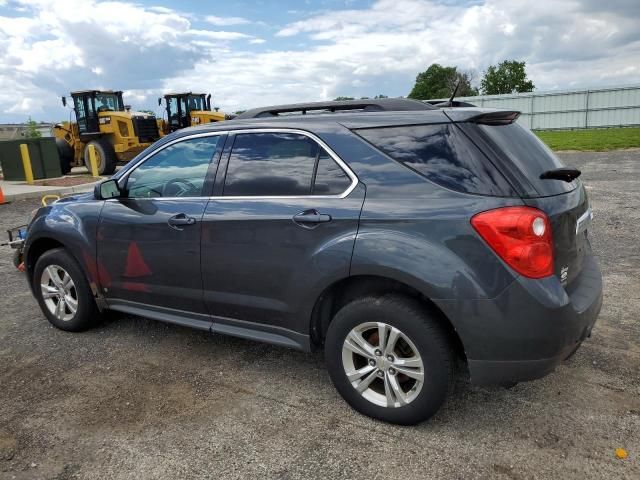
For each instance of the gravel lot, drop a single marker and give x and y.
(136, 398)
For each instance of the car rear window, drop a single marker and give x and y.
(529, 154)
(443, 154)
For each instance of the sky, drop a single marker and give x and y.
(255, 53)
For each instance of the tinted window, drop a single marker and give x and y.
(271, 164)
(529, 154)
(443, 154)
(176, 171)
(330, 179)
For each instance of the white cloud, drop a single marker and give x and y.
(225, 21)
(56, 47)
(218, 35)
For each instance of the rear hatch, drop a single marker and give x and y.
(523, 158)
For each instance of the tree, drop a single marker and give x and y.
(439, 82)
(343, 98)
(508, 76)
(31, 130)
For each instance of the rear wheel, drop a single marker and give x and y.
(105, 156)
(63, 292)
(389, 359)
(65, 153)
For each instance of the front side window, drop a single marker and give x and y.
(178, 170)
(282, 164)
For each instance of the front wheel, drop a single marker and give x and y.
(63, 291)
(389, 359)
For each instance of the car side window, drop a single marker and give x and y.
(178, 170)
(330, 179)
(281, 164)
(443, 154)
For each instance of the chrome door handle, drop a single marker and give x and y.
(180, 220)
(311, 218)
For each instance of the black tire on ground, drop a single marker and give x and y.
(418, 325)
(106, 156)
(65, 152)
(87, 314)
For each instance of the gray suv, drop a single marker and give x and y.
(398, 236)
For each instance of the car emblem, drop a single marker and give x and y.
(564, 273)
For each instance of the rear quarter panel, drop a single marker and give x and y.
(417, 232)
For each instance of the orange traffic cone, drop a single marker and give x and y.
(2, 199)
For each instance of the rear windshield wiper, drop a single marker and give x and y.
(565, 174)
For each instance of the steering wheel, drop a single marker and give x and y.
(178, 187)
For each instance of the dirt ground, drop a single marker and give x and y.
(136, 398)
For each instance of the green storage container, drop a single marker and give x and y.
(45, 162)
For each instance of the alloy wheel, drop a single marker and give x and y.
(383, 364)
(59, 292)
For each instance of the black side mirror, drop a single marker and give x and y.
(107, 189)
(64, 101)
(159, 101)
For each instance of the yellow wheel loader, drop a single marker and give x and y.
(102, 120)
(186, 110)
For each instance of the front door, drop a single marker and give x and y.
(149, 242)
(284, 220)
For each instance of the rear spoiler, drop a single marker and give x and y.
(496, 118)
(490, 117)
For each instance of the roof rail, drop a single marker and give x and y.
(365, 105)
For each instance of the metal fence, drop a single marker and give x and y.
(586, 108)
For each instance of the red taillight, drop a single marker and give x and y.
(521, 236)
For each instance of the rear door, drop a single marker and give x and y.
(283, 220)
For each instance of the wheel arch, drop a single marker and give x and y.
(347, 289)
(43, 244)
(36, 249)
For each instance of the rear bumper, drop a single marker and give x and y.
(525, 332)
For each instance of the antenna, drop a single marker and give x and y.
(455, 90)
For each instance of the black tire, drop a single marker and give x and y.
(65, 152)
(87, 314)
(420, 327)
(107, 159)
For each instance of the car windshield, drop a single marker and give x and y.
(107, 102)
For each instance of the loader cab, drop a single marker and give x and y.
(87, 104)
(180, 105)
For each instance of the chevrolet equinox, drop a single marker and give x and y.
(398, 236)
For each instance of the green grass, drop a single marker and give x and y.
(596, 140)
